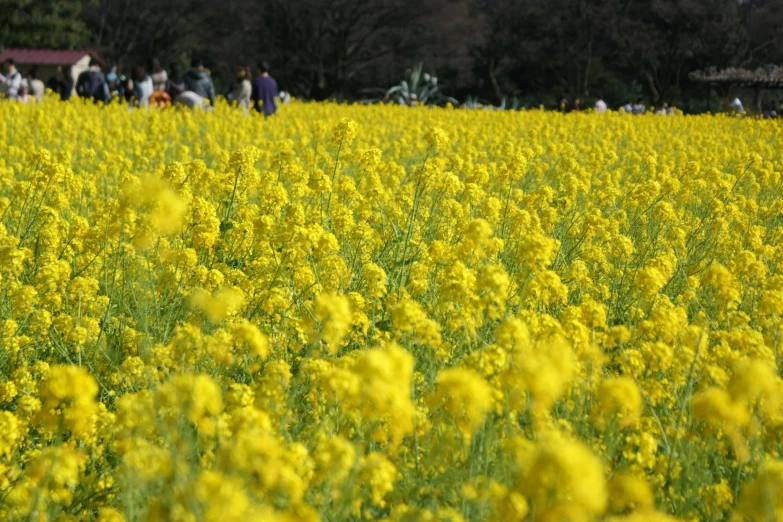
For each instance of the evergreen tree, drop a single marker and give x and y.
(41, 23)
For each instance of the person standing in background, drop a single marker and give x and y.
(127, 88)
(197, 80)
(10, 80)
(736, 106)
(265, 91)
(242, 89)
(175, 85)
(600, 105)
(142, 86)
(115, 82)
(92, 83)
(37, 87)
(23, 95)
(159, 76)
(66, 83)
(639, 107)
(62, 83)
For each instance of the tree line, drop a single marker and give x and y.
(536, 51)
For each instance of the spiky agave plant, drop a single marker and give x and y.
(418, 86)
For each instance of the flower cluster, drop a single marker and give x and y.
(360, 313)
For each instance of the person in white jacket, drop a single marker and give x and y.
(736, 106)
(37, 87)
(242, 90)
(600, 105)
(142, 86)
(10, 80)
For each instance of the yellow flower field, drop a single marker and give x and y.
(352, 313)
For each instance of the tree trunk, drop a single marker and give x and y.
(494, 80)
(651, 85)
(586, 81)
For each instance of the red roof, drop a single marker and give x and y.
(46, 56)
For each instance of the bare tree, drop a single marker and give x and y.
(333, 42)
(334, 48)
(660, 40)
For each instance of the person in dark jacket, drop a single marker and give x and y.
(91, 83)
(264, 91)
(116, 82)
(198, 81)
(62, 83)
(175, 85)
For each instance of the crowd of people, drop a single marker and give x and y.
(152, 85)
(629, 107)
(147, 85)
